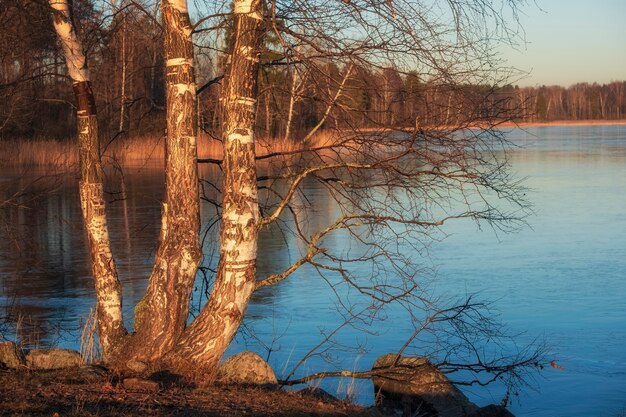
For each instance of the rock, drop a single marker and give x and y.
(10, 355)
(492, 411)
(136, 366)
(320, 394)
(247, 368)
(53, 358)
(142, 385)
(414, 385)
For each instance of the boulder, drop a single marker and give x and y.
(136, 366)
(10, 355)
(247, 368)
(53, 358)
(414, 385)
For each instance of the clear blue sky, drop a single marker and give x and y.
(570, 41)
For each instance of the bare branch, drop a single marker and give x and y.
(276, 278)
(330, 105)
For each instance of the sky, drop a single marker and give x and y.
(570, 41)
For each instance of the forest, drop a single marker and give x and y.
(124, 46)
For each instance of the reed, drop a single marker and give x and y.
(58, 155)
(89, 349)
(135, 150)
(38, 153)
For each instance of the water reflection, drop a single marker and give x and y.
(563, 278)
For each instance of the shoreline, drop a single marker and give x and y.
(502, 125)
(557, 123)
(90, 391)
(139, 150)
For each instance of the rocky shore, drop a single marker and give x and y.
(54, 382)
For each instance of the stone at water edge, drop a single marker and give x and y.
(136, 366)
(416, 384)
(53, 359)
(247, 368)
(11, 356)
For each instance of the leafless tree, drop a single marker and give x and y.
(390, 188)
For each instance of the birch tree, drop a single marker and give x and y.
(392, 188)
(161, 316)
(211, 332)
(108, 289)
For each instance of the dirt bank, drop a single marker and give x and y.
(93, 392)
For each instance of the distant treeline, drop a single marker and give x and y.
(582, 101)
(126, 61)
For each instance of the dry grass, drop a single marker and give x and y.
(63, 155)
(89, 351)
(42, 152)
(90, 391)
(139, 150)
(135, 150)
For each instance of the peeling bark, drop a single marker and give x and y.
(160, 317)
(108, 289)
(204, 343)
(72, 49)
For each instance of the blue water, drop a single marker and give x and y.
(562, 279)
(565, 277)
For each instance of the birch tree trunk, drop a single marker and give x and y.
(204, 343)
(292, 103)
(108, 290)
(160, 317)
(123, 80)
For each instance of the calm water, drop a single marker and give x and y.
(562, 279)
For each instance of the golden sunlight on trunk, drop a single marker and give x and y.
(161, 316)
(212, 331)
(108, 290)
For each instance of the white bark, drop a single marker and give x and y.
(123, 80)
(161, 316)
(108, 289)
(107, 285)
(330, 105)
(248, 8)
(178, 61)
(292, 103)
(180, 5)
(205, 341)
(74, 56)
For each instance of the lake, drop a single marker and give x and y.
(562, 279)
